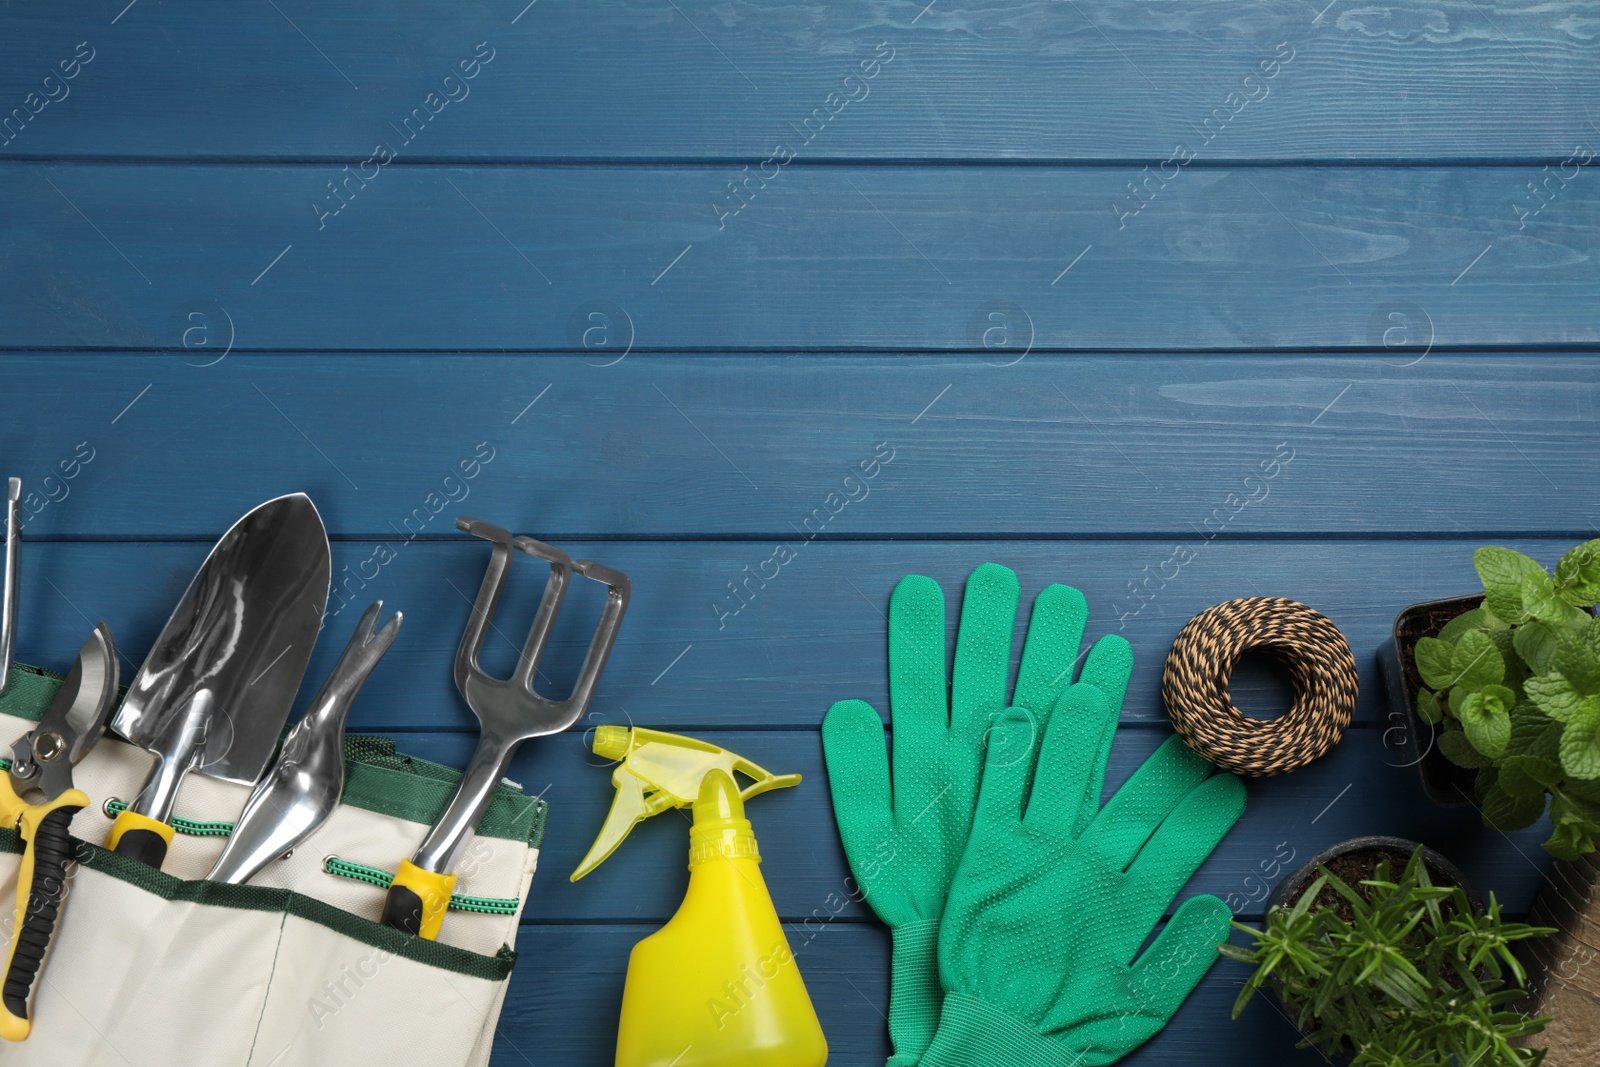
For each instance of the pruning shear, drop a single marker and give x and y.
(41, 762)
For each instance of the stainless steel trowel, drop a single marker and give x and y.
(217, 686)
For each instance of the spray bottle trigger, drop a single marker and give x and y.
(657, 771)
(629, 808)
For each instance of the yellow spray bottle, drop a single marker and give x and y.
(718, 984)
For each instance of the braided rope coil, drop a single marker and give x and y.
(1320, 665)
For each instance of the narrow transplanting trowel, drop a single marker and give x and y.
(295, 797)
(217, 686)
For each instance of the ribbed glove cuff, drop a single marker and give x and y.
(972, 1033)
(914, 991)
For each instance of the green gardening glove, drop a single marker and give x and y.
(1055, 895)
(904, 833)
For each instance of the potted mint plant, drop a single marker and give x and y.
(1510, 688)
(1387, 969)
(1415, 739)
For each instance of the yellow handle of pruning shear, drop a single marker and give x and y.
(41, 886)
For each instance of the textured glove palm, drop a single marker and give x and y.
(904, 834)
(1055, 895)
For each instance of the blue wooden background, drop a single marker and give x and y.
(662, 274)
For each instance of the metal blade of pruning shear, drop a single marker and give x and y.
(43, 759)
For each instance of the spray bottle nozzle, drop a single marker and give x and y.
(658, 771)
(611, 742)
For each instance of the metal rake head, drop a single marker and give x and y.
(511, 708)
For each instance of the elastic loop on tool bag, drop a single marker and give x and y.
(114, 807)
(383, 879)
(1323, 672)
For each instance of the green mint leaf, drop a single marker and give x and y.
(1568, 809)
(1497, 699)
(1576, 804)
(1476, 619)
(1458, 750)
(1533, 774)
(1435, 661)
(1580, 741)
(1577, 663)
(1539, 600)
(1428, 707)
(1569, 841)
(1533, 733)
(1519, 785)
(1586, 791)
(1501, 570)
(1477, 661)
(1487, 724)
(1553, 695)
(1578, 575)
(1535, 642)
(1504, 641)
(1503, 811)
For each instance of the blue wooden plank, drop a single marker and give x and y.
(813, 635)
(770, 449)
(893, 259)
(1027, 81)
(566, 992)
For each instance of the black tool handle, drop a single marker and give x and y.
(146, 846)
(51, 851)
(402, 910)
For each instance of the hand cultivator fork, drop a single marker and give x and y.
(509, 712)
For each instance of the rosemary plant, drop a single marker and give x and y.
(1411, 975)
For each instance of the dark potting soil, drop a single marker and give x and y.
(1429, 621)
(1362, 864)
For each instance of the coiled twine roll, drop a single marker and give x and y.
(1323, 672)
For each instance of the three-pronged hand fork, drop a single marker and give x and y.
(509, 712)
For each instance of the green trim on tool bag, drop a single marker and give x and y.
(494, 968)
(29, 691)
(380, 779)
(382, 879)
(376, 776)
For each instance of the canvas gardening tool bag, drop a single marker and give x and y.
(161, 968)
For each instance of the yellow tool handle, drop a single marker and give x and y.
(140, 837)
(417, 900)
(41, 887)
